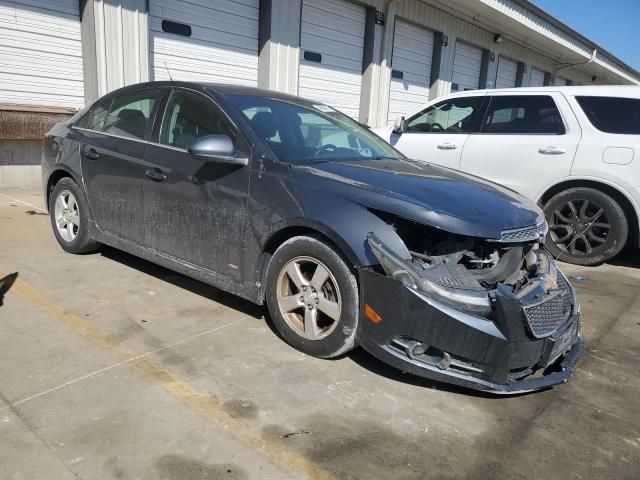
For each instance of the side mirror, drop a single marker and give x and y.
(218, 149)
(399, 125)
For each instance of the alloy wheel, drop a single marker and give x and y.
(309, 298)
(67, 216)
(580, 227)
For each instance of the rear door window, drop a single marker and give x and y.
(129, 114)
(612, 114)
(94, 119)
(523, 114)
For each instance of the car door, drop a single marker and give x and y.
(438, 133)
(195, 210)
(113, 142)
(525, 142)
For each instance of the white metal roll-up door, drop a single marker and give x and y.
(222, 47)
(560, 82)
(506, 73)
(411, 69)
(467, 63)
(41, 53)
(331, 53)
(537, 78)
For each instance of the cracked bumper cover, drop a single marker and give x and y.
(498, 355)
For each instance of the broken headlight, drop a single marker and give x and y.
(445, 288)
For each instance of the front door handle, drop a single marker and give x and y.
(552, 151)
(156, 175)
(91, 153)
(447, 146)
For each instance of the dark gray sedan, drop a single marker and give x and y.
(279, 199)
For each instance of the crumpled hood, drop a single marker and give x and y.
(437, 196)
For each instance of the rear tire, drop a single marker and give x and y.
(312, 296)
(586, 226)
(68, 209)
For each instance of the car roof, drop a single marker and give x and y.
(220, 88)
(629, 91)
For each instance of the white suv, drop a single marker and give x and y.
(574, 150)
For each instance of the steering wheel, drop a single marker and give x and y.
(329, 148)
(436, 127)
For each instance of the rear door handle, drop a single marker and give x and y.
(552, 151)
(91, 153)
(447, 146)
(156, 175)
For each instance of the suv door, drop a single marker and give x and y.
(438, 133)
(113, 142)
(195, 210)
(525, 142)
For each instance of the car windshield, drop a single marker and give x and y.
(309, 133)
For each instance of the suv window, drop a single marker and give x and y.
(457, 115)
(129, 114)
(190, 116)
(523, 114)
(612, 115)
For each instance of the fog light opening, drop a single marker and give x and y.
(427, 354)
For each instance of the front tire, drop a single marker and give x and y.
(312, 296)
(68, 209)
(586, 226)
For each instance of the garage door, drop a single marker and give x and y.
(204, 40)
(331, 53)
(41, 53)
(466, 67)
(411, 69)
(506, 73)
(537, 78)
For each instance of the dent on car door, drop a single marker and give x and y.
(438, 133)
(195, 209)
(113, 143)
(524, 143)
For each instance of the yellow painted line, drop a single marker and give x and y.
(207, 405)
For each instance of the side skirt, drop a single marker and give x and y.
(248, 292)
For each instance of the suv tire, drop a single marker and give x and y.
(586, 226)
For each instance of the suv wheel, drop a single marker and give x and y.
(69, 218)
(312, 297)
(586, 226)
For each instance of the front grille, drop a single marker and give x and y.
(546, 316)
(526, 234)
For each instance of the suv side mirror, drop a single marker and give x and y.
(399, 125)
(216, 148)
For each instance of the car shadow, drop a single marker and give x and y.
(359, 356)
(629, 257)
(182, 281)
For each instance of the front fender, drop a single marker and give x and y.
(345, 223)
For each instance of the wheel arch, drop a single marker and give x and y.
(304, 227)
(614, 191)
(54, 177)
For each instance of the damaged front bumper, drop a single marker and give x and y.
(421, 334)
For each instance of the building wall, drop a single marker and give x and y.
(67, 53)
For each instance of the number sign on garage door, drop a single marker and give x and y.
(411, 69)
(205, 40)
(331, 53)
(537, 78)
(467, 63)
(506, 73)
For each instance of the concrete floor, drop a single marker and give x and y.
(111, 367)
